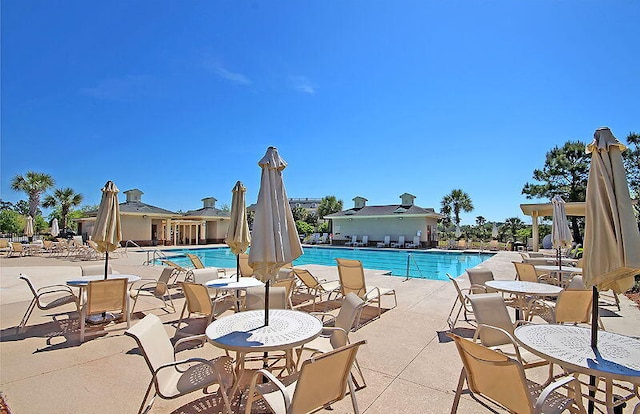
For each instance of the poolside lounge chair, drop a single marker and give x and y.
(493, 245)
(337, 335)
(245, 269)
(153, 288)
(16, 249)
(172, 378)
(4, 246)
(195, 260)
(352, 279)
(399, 243)
(353, 241)
(313, 286)
(324, 239)
(502, 379)
(46, 298)
(414, 244)
(179, 270)
(385, 243)
(363, 243)
(105, 296)
(322, 381)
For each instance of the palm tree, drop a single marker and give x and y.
(66, 199)
(456, 202)
(33, 184)
(514, 224)
(329, 205)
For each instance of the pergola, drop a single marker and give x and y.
(574, 208)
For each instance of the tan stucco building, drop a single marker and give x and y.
(404, 219)
(148, 225)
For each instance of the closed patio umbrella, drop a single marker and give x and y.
(494, 231)
(275, 240)
(28, 228)
(107, 231)
(238, 237)
(611, 239)
(560, 233)
(458, 232)
(55, 229)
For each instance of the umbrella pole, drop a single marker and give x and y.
(266, 302)
(594, 344)
(106, 264)
(237, 280)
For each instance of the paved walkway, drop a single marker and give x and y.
(409, 365)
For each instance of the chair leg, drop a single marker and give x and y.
(144, 409)
(82, 323)
(352, 391)
(456, 399)
(27, 315)
(181, 315)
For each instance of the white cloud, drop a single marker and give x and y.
(302, 84)
(224, 73)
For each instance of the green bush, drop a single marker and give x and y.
(11, 222)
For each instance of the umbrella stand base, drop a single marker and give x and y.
(100, 319)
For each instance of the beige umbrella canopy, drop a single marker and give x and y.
(28, 227)
(55, 228)
(560, 233)
(238, 237)
(275, 240)
(612, 240)
(107, 232)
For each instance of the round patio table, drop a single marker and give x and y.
(521, 289)
(561, 272)
(616, 357)
(227, 284)
(245, 332)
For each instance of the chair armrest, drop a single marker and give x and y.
(321, 315)
(270, 377)
(507, 334)
(55, 289)
(176, 364)
(563, 381)
(201, 337)
(146, 283)
(484, 288)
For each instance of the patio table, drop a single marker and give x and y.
(521, 289)
(227, 284)
(617, 357)
(245, 332)
(560, 271)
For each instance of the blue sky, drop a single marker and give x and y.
(373, 99)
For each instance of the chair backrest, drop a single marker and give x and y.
(576, 283)
(202, 276)
(154, 343)
(416, 240)
(490, 309)
(78, 240)
(174, 265)
(287, 284)
(106, 295)
(477, 277)
(95, 270)
(365, 239)
(494, 375)
(17, 247)
(351, 276)
(195, 260)
(163, 281)
(387, 240)
(254, 299)
(458, 290)
(306, 277)
(354, 238)
(526, 272)
(29, 283)
(349, 310)
(92, 244)
(323, 379)
(4, 243)
(574, 306)
(245, 269)
(401, 240)
(197, 297)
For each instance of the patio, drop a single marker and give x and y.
(409, 365)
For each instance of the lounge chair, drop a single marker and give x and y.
(17, 249)
(153, 288)
(385, 243)
(195, 260)
(180, 270)
(4, 246)
(493, 245)
(363, 243)
(47, 298)
(105, 296)
(322, 381)
(502, 379)
(172, 378)
(353, 242)
(337, 335)
(313, 286)
(324, 239)
(245, 269)
(399, 244)
(414, 244)
(352, 279)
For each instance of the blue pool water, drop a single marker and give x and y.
(424, 265)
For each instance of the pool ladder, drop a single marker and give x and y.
(409, 259)
(156, 254)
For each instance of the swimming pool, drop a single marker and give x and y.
(424, 265)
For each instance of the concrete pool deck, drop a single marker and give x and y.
(409, 365)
